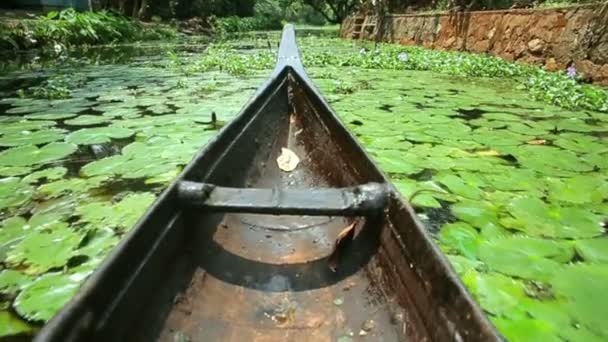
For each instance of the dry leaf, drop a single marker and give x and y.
(537, 142)
(345, 236)
(288, 160)
(488, 153)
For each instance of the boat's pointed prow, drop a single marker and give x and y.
(289, 54)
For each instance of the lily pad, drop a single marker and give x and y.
(49, 174)
(421, 194)
(43, 250)
(32, 155)
(12, 281)
(24, 125)
(526, 329)
(463, 265)
(32, 138)
(88, 120)
(43, 298)
(12, 231)
(14, 193)
(593, 250)
(98, 135)
(537, 218)
(528, 258)
(458, 186)
(578, 189)
(10, 171)
(460, 238)
(393, 161)
(583, 287)
(479, 214)
(547, 159)
(496, 293)
(11, 326)
(120, 216)
(71, 185)
(98, 242)
(50, 116)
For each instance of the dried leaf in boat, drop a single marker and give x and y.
(345, 236)
(288, 160)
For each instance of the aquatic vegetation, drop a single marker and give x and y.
(554, 87)
(514, 190)
(70, 27)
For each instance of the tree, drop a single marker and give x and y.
(335, 11)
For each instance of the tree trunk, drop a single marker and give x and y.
(135, 8)
(122, 7)
(143, 10)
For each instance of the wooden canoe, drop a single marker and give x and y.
(236, 249)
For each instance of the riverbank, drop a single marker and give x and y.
(59, 30)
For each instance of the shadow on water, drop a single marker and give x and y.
(470, 114)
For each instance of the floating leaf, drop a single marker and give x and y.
(526, 329)
(12, 281)
(479, 214)
(461, 264)
(49, 174)
(24, 125)
(288, 160)
(71, 185)
(458, 186)
(460, 237)
(44, 297)
(583, 287)
(395, 161)
(98, 242)
(98, 135)
(536, 218)
(578, 189)
(31, 138)
(421, 194)
(10, 171)
(528, 258)
(496, 293)
(87, 120)
(12, 231)
(14, 193)
(593, 250)
(50, 116)
(43, 250)
(32, 155)
(546, 159)
(10, 325)
(120, 216)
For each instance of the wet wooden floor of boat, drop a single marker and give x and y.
(254, 277)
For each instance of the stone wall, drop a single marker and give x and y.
(554, 38)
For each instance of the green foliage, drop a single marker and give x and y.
(237, 24)
(70, 27)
